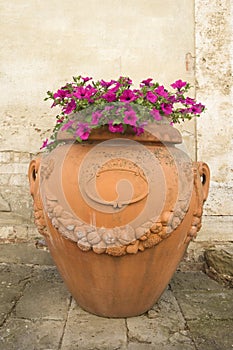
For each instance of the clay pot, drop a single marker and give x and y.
(118, 213)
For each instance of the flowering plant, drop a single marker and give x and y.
(116, 104)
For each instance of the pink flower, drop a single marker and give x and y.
(166, 108)
(178, 84)
(61, 94)
(138, 130)
(185, 110)
(84, 93)
(125, 81)
(45, 144)
(128, 96)
(173, 99)
(138, 92)
(146, 82)
(59, 121)
(67, 125)
(161, 91)
(70, 107)
(156, 115)
(130, 117)
(85, 79)
(116, 127)
(107, 83)
(197, 108)
(151, 97)
(96, 117)
(108, 108)
(110, 96)
(115, 88)
(83, 131)
(189, 101)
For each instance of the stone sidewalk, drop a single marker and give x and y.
(37, 312)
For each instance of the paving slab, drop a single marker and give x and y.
(162, 326)
(44, 297)
(20, 334)
(13, 279)
(206, 305)
(212, 334)
(193, 281)
(207, 308)
(24, 253)
(86, 331)
(179, 346)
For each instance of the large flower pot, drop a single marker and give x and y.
(118, 215)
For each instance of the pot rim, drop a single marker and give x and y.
(154, 133)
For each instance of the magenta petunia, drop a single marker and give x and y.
(67, 125)
(173, 99)
(45, 144)
(115, 88)
(115, 127)
(166, 108)
(70, 107)
(85, 79)
(130, 118)
(60, 120)
(110, 96)
(84, 92)
(128, 96)
(185, 110)
(107, 84)
(96, 117)
(189, 101)
(138, 130)
(161, 91)
(197, 108)
(146, 82)
(83, 131)
(125, 81)
(61, 94)
(156, 115)
(178, 84)
(151, 97)
(108, 108)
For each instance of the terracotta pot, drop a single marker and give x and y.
(117, 215)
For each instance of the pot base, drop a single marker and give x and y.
(124, 286)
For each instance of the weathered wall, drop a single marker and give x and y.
(43, 44)
(214, 58)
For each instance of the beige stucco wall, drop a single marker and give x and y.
(45, 43)
(214, 58)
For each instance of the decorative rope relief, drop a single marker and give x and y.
(114, 241)
(124, 239)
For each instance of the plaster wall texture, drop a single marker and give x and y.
(214, 61)
(43, 44)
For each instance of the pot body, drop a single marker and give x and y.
(117, 217)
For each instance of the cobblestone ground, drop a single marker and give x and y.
(37, 312)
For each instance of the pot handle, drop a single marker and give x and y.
(204, 173)
(33, 174)
(201, 172)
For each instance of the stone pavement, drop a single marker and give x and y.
(37, 312)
